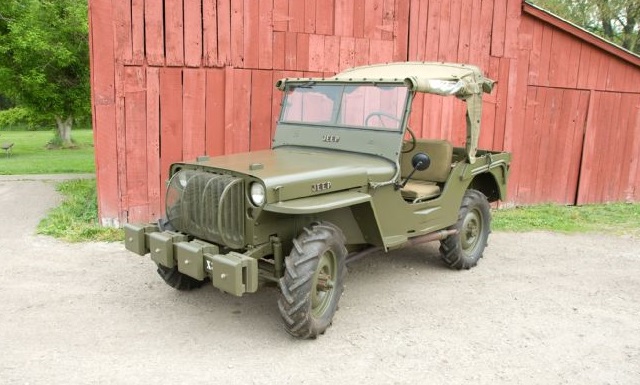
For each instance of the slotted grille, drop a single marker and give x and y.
(207, 206)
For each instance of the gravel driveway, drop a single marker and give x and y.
(540, 308)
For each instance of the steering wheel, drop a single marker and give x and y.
(380, 115)
(410, 144)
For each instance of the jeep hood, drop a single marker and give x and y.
(295, 172)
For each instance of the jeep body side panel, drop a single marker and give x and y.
(404, 220)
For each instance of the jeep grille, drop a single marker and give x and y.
(207, 206)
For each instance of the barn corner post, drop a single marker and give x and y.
(103, 95)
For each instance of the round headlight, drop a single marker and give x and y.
(257, 194)
(182, 178)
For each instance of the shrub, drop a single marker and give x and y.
(21, 118)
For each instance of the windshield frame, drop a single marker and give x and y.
(338, 111)
(385, 143)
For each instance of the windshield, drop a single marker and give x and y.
(365, 106)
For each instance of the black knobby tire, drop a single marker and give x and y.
(313, 281)
(177, 280)
(171, 275)
(464, 249)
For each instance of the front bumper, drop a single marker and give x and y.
(234, 273)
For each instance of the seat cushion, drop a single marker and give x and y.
(417, 190)
(441, 154)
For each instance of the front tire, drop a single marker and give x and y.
(177, 280)
(464, 249)
(313, 281)
(171, 275)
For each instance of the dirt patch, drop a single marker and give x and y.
(539, 308)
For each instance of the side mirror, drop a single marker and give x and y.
(420, 161)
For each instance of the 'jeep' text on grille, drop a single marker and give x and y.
(321, 186)
(331, 138)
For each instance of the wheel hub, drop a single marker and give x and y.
(323, 284)
(471, 228)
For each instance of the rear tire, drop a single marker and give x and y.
(177, 280)
(313, 281)
(464, 249)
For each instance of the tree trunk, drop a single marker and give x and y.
(606, 15)
(628, 38)
(607, 28)
(64, 130)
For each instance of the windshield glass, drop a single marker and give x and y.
(359, 106)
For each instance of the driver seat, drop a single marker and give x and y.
(426, 184)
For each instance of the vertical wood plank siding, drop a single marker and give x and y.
(174, 79)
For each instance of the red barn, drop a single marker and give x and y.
(174, 79)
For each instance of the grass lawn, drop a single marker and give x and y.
(30, 155)
(613, 218)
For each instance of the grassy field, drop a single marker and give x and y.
(31, 156)
(614, 218)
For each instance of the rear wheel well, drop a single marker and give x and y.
(486, 183)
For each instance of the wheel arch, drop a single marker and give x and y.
(487, 183)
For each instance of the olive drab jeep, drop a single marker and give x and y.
(345, 177)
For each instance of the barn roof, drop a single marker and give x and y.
(581, 33)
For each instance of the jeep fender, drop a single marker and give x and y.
(489, 178)
(349, 210)
(489, 184)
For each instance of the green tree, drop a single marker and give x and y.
(44, 59)
(614, 20)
